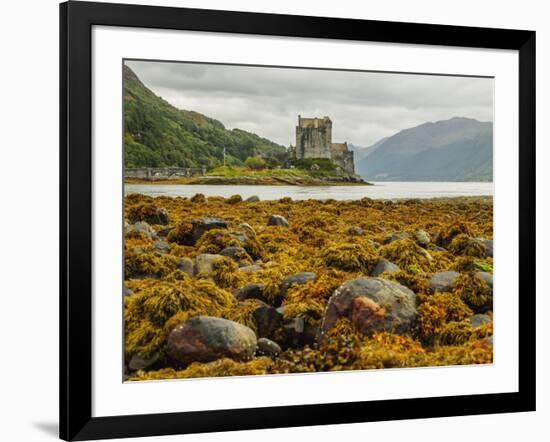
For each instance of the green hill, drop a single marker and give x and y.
(156, 134)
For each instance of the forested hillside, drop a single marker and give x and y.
(159, 135)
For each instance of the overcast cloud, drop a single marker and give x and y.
(364, 107)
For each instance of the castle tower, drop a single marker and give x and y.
(313, 137)
(314, 140)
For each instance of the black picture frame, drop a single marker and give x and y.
(76, 21)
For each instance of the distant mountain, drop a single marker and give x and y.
(363, 152)
(158, 134)
(459, 149)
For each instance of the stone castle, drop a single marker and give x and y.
(314, 140)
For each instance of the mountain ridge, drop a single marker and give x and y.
(457, 149)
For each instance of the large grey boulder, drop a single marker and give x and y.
(443, 281)
(207, 338)
(277, 220)
(372, 304)
(253, 199)
(383, 265)
(200, 226)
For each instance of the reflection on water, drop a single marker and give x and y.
(380, 190)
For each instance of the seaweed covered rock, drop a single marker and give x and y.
(149, 213)
(437, 311)
(383, 265)
(372, 304)
(268, 320)
(204, 263)
(198, 198)
(292, 280)
(186, 265)
(200, 226)
(250, 269)
(139, 228)
(157, 306)
(237, 254)
(350, 257)
(217, 240)
(207, 338)
(234, 199)
(180, 234)
(225, 273)
(443, 281)
(466, 246)
(251, 291)
(277, 220)
(447, 234)
(408, 255)
(219, 367)
(148, 265)
(476, 290)
(422, 238)
(396, 237)
(487, 278)
(480, 320)
(488, 243)
(161, 246)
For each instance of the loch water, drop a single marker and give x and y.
(380, 190)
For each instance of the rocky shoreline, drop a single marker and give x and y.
(221, 287)
(255, 180)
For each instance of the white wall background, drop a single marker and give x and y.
(29, 216)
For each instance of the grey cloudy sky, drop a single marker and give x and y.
(364, 106)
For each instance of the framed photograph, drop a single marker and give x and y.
(274, 220)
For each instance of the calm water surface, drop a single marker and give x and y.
(380, 190)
